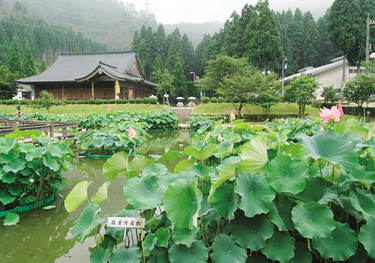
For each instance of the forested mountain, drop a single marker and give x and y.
(19, 26)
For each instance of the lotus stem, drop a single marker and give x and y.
(200, 215)
(143, 247)
(217, 233)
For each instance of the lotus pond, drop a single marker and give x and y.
(44, 235)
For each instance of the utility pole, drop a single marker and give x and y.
(283, 75)
(368, 45)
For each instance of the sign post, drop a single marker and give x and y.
(125, 222)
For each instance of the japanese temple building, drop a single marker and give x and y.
(83, 76)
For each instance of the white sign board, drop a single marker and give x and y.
(126, 222)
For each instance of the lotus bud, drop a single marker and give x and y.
(232, 116)
(132, 133)
(219, 138)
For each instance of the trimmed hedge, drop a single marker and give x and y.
(252, 117)
(154, 101)
(206, 100)
(145, 100)
(213, 100)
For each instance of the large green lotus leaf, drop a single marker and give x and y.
(203, 171)
(334, 147)
(165, 181)
(56, 151)
(254, 155)
(352, 126)
(226, 250)
(163, 235)
(9, 178)
(6, 197)
(27, 147)
(318, 190)
(35, 153)
(138, 164)
(313, 220)
(256, 259)
(116, 164)
(256, 194)
(182, 200)
(281, 213)
(287, 175)
(171, 155)
(87, 222)
(301, 254)
(340, 245)
(360, 174)
(7, 144)
(202, 154)
(228, 162)
(279, 247)
(225, 148)
(15, 189)
(100, 255)
(363, 201)
(185, 165)
(77, 196)
(155, 169)
(251, 232)
(143, 193)
(11, 220)
(195, 254)
(15, 166)
(184, 235)
(224, 201)
(149, 242)
(102, 194)
(366, 237)
(294, 150)
(225, 175)
(50, 162)
(121, 255)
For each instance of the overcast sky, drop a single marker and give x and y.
(197, 11)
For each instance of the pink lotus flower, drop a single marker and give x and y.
(340, 109)
(219, 138)
(232, 116)
(109, 108)
(132, 133)
(330, 114)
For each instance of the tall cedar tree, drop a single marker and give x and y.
(311, 42)
(327, 50)
(179, 80)
(28, 63)
(7, 84)
(14, 58)
(296, 37)
(161, 43)
(187, 51)
(174, 52)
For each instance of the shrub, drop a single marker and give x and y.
(221, 100)
(146, 100)
(235, 100)
(124, 101)
(72, 102)
(98, 102)
(79, 101)
(65, 102)
(91, 101)
(112, 101)
(85, 102)
(206, 100)
(131, 101)
(213, 100)
(138, 100)
(105, 101)
(118, 101)
(154, 101)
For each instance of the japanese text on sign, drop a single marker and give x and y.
(128, 222)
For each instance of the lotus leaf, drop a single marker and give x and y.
(287, 175)
(313, 220)
(252, 232)
(318, 190)
(360, 174)
(118, 232)
(203, 171)
(225, 175)
(163, 235)
(226, 250)
(149, 242)
(155, 169)
(256, 194)
(77, 196)
(279, 247)
(102, 194)
(99, 255)
(143, 193)
(224, 201)
(116, 164)
(364, 202)
(334, 147)
(202, 154)
(301, 254)
(184, 235)
(225, 148)
(366, 237)
(7, 144)
(197, 253)
(35, 153)
(138, 164)
(171, 155)
(182, 200)
(50, 162)
(15, 166)
(340, 245)
(120, 255)
(281, 213)
(185, 165)
(9, 178)
(11, 220)
(254, 155)
(6, 197)
(15, 189)
(87, 222)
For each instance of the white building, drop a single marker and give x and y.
(328, 75)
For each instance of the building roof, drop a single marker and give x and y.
(72, 67)
(311, 71)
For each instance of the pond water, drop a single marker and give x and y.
(44, 235)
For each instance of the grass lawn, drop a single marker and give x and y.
(84, 108)
(227, 108)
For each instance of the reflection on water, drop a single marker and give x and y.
(44, 235)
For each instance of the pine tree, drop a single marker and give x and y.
(187, 54)
(161, 43)
(174, 51)
(311, 43)
(179, 80)
(14, 58)
(296, 37)
(28, 63)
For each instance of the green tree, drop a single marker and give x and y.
(158, 69)
(164, 79)
(179, 80)
(46, 100)
(187, 52)
(174, 51)
(268, 93)
(311, 42)
(327, 50)
(329, 94)
(302, 91)
(7, 84)
(296, 37)
(161, 43)
(14, 58)
(28, 63)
